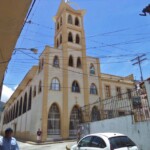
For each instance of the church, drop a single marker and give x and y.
(65, 79)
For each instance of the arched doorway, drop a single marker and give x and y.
(53, 120)
(74, 121)
(95, 114)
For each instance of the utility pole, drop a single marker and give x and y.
(139, 60)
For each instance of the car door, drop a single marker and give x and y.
(97, 143)
(84, 144)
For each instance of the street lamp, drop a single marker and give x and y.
(34, 50)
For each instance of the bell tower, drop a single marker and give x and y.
(69, 28)
(70, 38)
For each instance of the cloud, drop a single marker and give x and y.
(6, 93)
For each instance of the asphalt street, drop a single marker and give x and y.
(57, 146)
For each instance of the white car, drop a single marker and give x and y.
(105, 141)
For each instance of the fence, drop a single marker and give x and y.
(133, 102)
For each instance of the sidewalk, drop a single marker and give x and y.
(45, 143)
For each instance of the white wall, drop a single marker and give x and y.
(138, 132)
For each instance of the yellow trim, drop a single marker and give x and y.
(45, 95)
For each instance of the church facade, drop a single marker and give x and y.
(66, 78)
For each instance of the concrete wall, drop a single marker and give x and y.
(138, 132)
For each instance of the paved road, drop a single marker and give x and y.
(57, 146)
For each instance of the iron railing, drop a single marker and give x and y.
(133, 103)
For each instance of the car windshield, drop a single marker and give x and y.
(121, 141)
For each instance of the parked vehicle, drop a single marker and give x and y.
(105, 141)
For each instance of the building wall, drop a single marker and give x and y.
(138, 132)
(113, 83)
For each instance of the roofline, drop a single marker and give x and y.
(29, 76)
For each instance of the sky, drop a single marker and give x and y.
(114, 31)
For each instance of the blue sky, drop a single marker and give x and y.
(114, 32)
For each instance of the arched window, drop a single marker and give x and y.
(93, 89)
(34, 92)
(20, 107)
(77, 39)
(60, 39)
(42, 63)
(75, 87)
(57, 43)
(30, 99)
(70, 19)
(17, 109)
(54, 120)
(58, 26)
(71, 61)
(14, 110)
(77, 21)
(40, 87)
(25, 103)
(74, 121)
(70, 37)
(55, 85)
(92, 69)
(79, 63)
(95, 115)
(61, 21)
(11, 114)
(56, 61)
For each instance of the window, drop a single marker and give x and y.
(25, 103)
(79, 63)
(98, 142)
(95, 114)
(70, 19)
(61, 21)
(40, 87)
(70, 37)
(55, 85)
(30, 99)
(107, 91)
(20, 107)
(58, 26)
(14, 109)
(71, 61)
(56, 61)
(85, 142)
(77, 21)
(60, 39)
(93, 89)
(42, 63)
(75, 87)
(92, 69)
(120, 142)
(129, 93)
(74, 121)
(17, 110)
(39, 65)
(34, 92)
(54, 120)
(77, 39)
(118, 92)
(57, 43)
